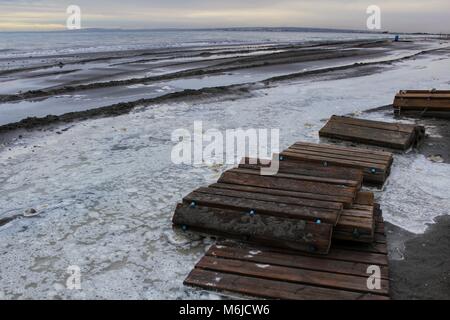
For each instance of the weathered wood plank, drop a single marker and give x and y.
(423, 103)
(303, 195)
(303, 276)
(432, 91)
(287, 184)
(308, 169)
(339, 254)
(292, 260)
(341, 155)
(292, 154)
(249, 169)
(362, 132)
(420, 103)
(389, 126)
(284, 232)
(373, 173)
(377, 154)
(263, 207)
(273, 198)
(270, 289)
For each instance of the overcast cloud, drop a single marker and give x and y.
(397, 15)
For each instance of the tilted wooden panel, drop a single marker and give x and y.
(260, 228)
(384, 134)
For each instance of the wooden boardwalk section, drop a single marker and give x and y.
(423, 103)
(308, 231)
(376, 165)
(377, 133)
(297, 208)
(266, 272)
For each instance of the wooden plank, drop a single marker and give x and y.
(375, 174)
(423, 95)
(292, 260)
(389, 126)
(420, 103)
(270, 289)
(251, 169)
(349, 150)
(363, 131)
(337, 155)
(432, 91)
(291, 154)
(320, 197)
(302, 276)
(370, 136)
(273, 198)
(286, 184)
(359, 255)
(308, 169)
(284, 232)
(282, 210)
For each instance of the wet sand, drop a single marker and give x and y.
(89, 95)
(420, 264)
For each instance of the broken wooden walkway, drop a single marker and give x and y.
(266, 272)
(316, 232)
(377, 133)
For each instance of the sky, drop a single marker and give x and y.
(396, 15)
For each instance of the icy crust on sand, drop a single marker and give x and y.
(105, 189)
(417, 191)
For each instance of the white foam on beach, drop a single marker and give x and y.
(106, 188)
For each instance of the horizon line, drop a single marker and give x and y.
(311, 29)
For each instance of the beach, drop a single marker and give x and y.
(85, 141)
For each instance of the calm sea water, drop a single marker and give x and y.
(15, 44)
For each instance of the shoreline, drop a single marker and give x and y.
(222, 92)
